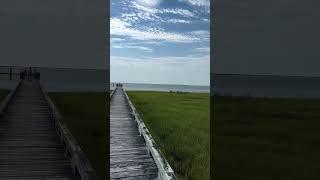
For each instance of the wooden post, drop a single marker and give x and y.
(10, 73)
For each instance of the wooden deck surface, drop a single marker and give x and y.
(29, 145)
(129, 158)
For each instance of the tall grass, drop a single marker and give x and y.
(179, 123)
(85, 116)
(3, 94)
(258, 138)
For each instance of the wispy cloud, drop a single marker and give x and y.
(116, 40)
(205, 3)
(178, 21)
(204, 35)
(146, 49)
(206, 20)
(203, 49)
(147, 10)
(178, 11)
(148, 3)
(122, 28)
(153, 10)
(153, 33)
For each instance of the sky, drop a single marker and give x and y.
(47, 33)
(277, 37)
(160, 41)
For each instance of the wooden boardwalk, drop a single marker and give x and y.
(129, 158)
(29, 145)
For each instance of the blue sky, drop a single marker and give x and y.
(160, 41)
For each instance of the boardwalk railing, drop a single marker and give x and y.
(165, 171)
(112, 92)
(4, 104)
(79, 161)
(14, 72)
(10, 72)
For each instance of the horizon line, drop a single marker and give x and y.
(277, 75)
(162, 84)
(53, 67)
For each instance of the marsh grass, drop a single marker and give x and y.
(3, 94)
(85, 114)
(179, 123)
(261, 138)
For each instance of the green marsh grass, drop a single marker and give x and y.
(85, 116)
(3, 94)
(259, 138)
(179, 123)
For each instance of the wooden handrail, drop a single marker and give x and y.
(4, 104)
(79, 161)
(165, 171)
(111, 94)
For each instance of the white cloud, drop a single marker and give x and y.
(129, 17)
(177, 11)
(152, 10)
(149, 3)
(121, 28)
(142, 43)
(203, 49)
(206, 20)
(201, 32)
(192, 70)
(205, 3)
(116, 40)
(116, 23)
(146, 49)
(140, 7)
(178, 21)
(137, 16)
(203, 35)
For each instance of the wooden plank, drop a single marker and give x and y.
(165, 171)
(129, 158)
(29, 145)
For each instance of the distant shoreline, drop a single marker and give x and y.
(57, 68)
(163, 87)
(162, 84)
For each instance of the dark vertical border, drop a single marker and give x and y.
(212, 59)
(107, 50)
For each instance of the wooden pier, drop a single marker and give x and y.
(129, 157)
(30, 147)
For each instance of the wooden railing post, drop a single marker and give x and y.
(10, 73)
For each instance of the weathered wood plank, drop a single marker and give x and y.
(129, 158)
(30, 147)
(165, 171)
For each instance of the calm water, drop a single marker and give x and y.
(63, 79)
(163, 87)
(266, 86)
(230, 85)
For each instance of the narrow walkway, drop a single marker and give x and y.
(129, 158)
(29, 145)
